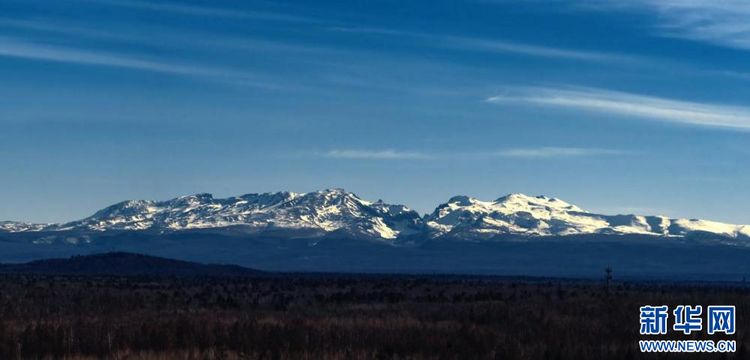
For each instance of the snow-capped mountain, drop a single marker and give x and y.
(335, 211)
(20, 226)
(314, 214)
(463, 217)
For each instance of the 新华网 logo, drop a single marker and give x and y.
(654, 320)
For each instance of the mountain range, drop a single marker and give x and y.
(335, 212)
(336, 231)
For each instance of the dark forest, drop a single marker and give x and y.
(340, 317)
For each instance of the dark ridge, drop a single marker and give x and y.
(125, 264)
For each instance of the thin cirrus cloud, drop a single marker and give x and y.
(536, 152)
(160, 36)
(495, 46)
(721, 22)
(498, 46)
(204, 11)
(377, 155)
(557, 152)
(631, 105)
(21, 49)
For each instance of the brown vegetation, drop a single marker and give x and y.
(338, 317)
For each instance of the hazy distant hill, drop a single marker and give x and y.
(124, 264)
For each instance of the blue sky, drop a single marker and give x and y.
(617, 108)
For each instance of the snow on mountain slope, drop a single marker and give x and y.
(464, 217)
(19, 226)
(336, 211)
(685, 227)
(326, 211)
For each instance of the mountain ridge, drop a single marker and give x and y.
(336, 211)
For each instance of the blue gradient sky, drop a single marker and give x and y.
(616, 108)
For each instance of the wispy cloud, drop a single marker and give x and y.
(498, 46)
(159, 36)
(531, 152)
(377, 154)
(626, 104)
(372, 31)
(10, 47)
(722, 22)
(736, 75)
(557, 152)
(192, 10)
(495, 46)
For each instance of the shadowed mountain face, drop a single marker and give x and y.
(124, 264)
(335, 212)
(332, 230)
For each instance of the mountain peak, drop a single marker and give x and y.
(333, 191)
(523, 200)
(200, 197)
(205, 196)
(315, 214)
(462, 200)
(522, 196)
